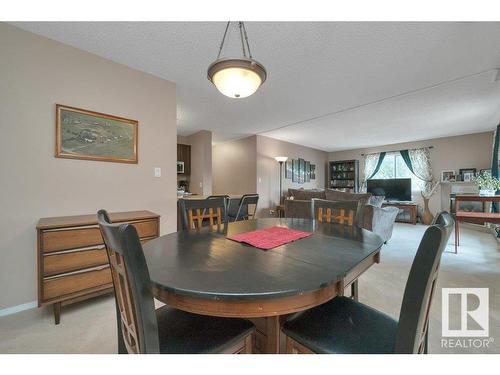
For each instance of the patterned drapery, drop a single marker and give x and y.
(372, 163)
(421, 166)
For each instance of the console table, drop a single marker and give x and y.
(473, 217)
(72, 260)
(408, 211)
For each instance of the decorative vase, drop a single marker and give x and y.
(487, 192)
(427, 216)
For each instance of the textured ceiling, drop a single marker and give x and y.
(331, 85)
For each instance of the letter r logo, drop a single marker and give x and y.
(476, 315)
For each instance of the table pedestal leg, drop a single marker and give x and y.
(273, 329)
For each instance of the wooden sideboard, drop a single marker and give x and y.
(72, 261)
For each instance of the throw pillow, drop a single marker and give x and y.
(376, 200)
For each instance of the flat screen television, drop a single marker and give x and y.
(396, 189)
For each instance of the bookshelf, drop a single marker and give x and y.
(344, 175)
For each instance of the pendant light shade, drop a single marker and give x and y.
(237, 77)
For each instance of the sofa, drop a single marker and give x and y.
(370, 215)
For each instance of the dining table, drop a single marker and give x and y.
(207, 273)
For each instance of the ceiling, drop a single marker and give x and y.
(331, 85)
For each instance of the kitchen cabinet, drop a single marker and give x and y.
(184, 155)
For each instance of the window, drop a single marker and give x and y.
(393, 166)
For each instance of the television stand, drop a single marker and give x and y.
(407, 211)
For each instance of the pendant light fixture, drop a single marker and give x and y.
(237, 77)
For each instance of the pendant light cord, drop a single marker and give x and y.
(243, 37)
(246, 39)
(223, 39)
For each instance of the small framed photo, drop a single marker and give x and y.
(448, 176)
(485, 172)
(468, 176)
(467, 171)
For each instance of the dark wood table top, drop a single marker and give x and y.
(207, 265)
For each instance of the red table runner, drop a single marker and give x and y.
(269, 238)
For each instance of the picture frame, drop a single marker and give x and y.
(448, 176)
(462, 172)
(295, 170)
(307, 175)
(302, 166)
(88, 135)
(486, 172)
(288, 169)
(468, 176)
(313, 171)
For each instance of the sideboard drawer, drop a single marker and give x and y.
(58, 240)
(60, 286)
(67, 262)
(147, 228)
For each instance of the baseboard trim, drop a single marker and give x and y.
(15, 309)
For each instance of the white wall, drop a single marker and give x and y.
(35, 74)
(450, 153)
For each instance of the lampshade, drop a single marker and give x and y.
(281, 159)
(237, 78)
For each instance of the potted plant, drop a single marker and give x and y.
(488, 185)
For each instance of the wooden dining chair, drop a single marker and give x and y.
(346, 326)
(340, 212)
(243, 212)
(144, 330)
(210, 213)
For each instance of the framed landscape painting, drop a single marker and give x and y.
(88, 135)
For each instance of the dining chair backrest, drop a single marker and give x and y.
(243, 209)
(198, 212)
(341, 212)
(135, 305)
(420, 287)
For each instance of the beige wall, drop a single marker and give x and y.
(35, 74)
(201, 163)
(450, 153)
(235, 166)
(200, 179)
(247, 165)
(268, 170)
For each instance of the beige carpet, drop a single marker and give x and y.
(90, 327)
